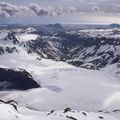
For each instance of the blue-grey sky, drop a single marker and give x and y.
(59, 11)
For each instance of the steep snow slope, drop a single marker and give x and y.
(44, 46)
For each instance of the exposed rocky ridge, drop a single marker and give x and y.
(7, 49)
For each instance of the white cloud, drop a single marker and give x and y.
(8, 10)
(86, 7)
(40, 11)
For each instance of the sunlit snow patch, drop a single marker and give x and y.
(27, 37)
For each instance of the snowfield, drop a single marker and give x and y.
(26, 37)
(8, 112)
(63, 85)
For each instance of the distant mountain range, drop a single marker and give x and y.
(94, 48)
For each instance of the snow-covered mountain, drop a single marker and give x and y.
(93, 48)
(44, 60)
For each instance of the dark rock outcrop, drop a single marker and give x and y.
(18, 80)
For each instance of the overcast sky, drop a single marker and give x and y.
(59, 11)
